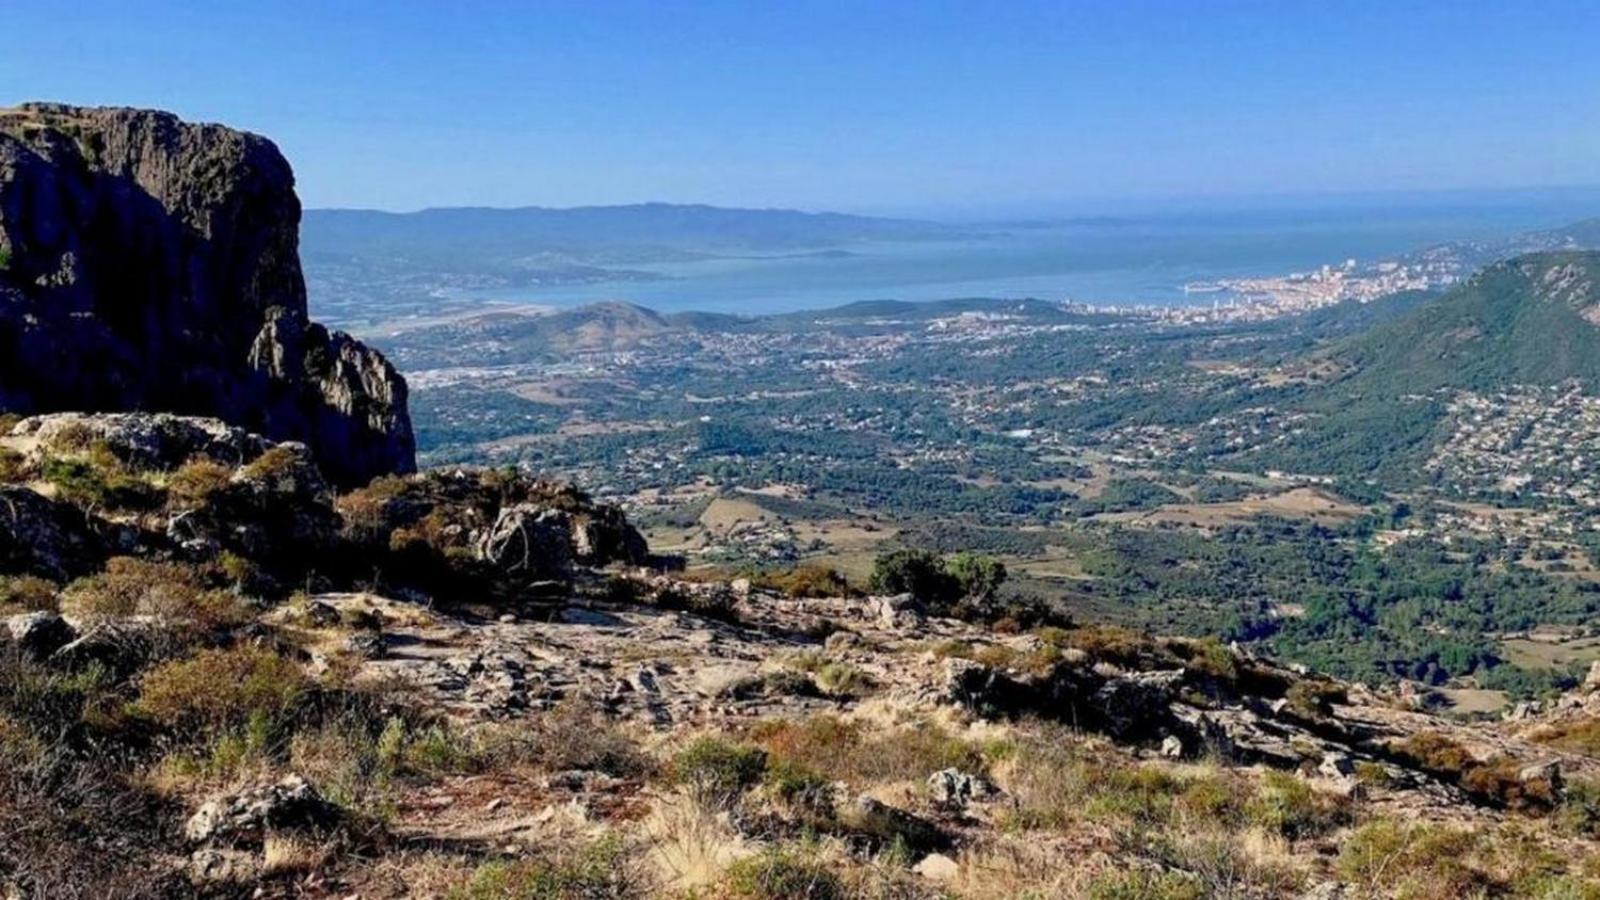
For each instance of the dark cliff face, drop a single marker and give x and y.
(151, 264)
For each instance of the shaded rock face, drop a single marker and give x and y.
(151, 264)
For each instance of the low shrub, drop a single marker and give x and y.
(196, 482)
(101, 482)
(1389, 858)
(1287, 805)
(807, 581)
(782, 874)
(130, 586)
(717, 772)
(605, 867)
(27, 593)
(221, 689)
(1497, 781)
(1314, 698)
(13, 465)
(863, 755)
(1577, 736)
(1144, 884)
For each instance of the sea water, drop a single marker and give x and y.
(1138, 260)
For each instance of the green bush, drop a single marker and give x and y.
(979, 577)
(780, 874)
(716, 772)
(1288, 806)
(215, 690)
(89, 483)
(919, 573)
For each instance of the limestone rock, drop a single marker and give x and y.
(145, 440)
(938, 867)
(290, 803)
(900, 611)
(527, 540)
(153, 264)
(39, 634)
(876, 820)
(955, 789)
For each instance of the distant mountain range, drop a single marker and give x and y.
(595, 234)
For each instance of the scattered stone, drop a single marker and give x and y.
(886, 824)
(1336, 765)
(1591, 681)
(1172, 747)
(938, 867)
(899, 611)
(222, 865)
(955, 789)
(45, 537)
(322, 614)
(368, 645)
(581, 781)
(39, 634)
(1548, 773)
(290, 803)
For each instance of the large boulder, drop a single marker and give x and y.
(528, 541)
(275, 510)
(151, 264)
(46, 537)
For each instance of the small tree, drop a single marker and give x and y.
(979, 576)
(919, 573)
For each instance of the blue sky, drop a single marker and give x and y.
(919, 107)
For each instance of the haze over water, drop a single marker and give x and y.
(1143, 260)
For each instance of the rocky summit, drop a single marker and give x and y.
(147, 263)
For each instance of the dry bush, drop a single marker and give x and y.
(865, 754)
(608, 867)
(1496, 781)
(568, 737)
(137, 587)
(1314, 698)
(13, 466)
(196, 482)
(806, 581)
(1418, 860)
(73, 823)
(782, 874)
(1574, 735)
(27, 593)
(834, 678)
(215, 690)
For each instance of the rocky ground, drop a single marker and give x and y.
(221, 678)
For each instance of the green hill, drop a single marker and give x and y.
(1531, 320)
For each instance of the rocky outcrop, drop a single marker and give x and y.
(151, 264)
(45, 537)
